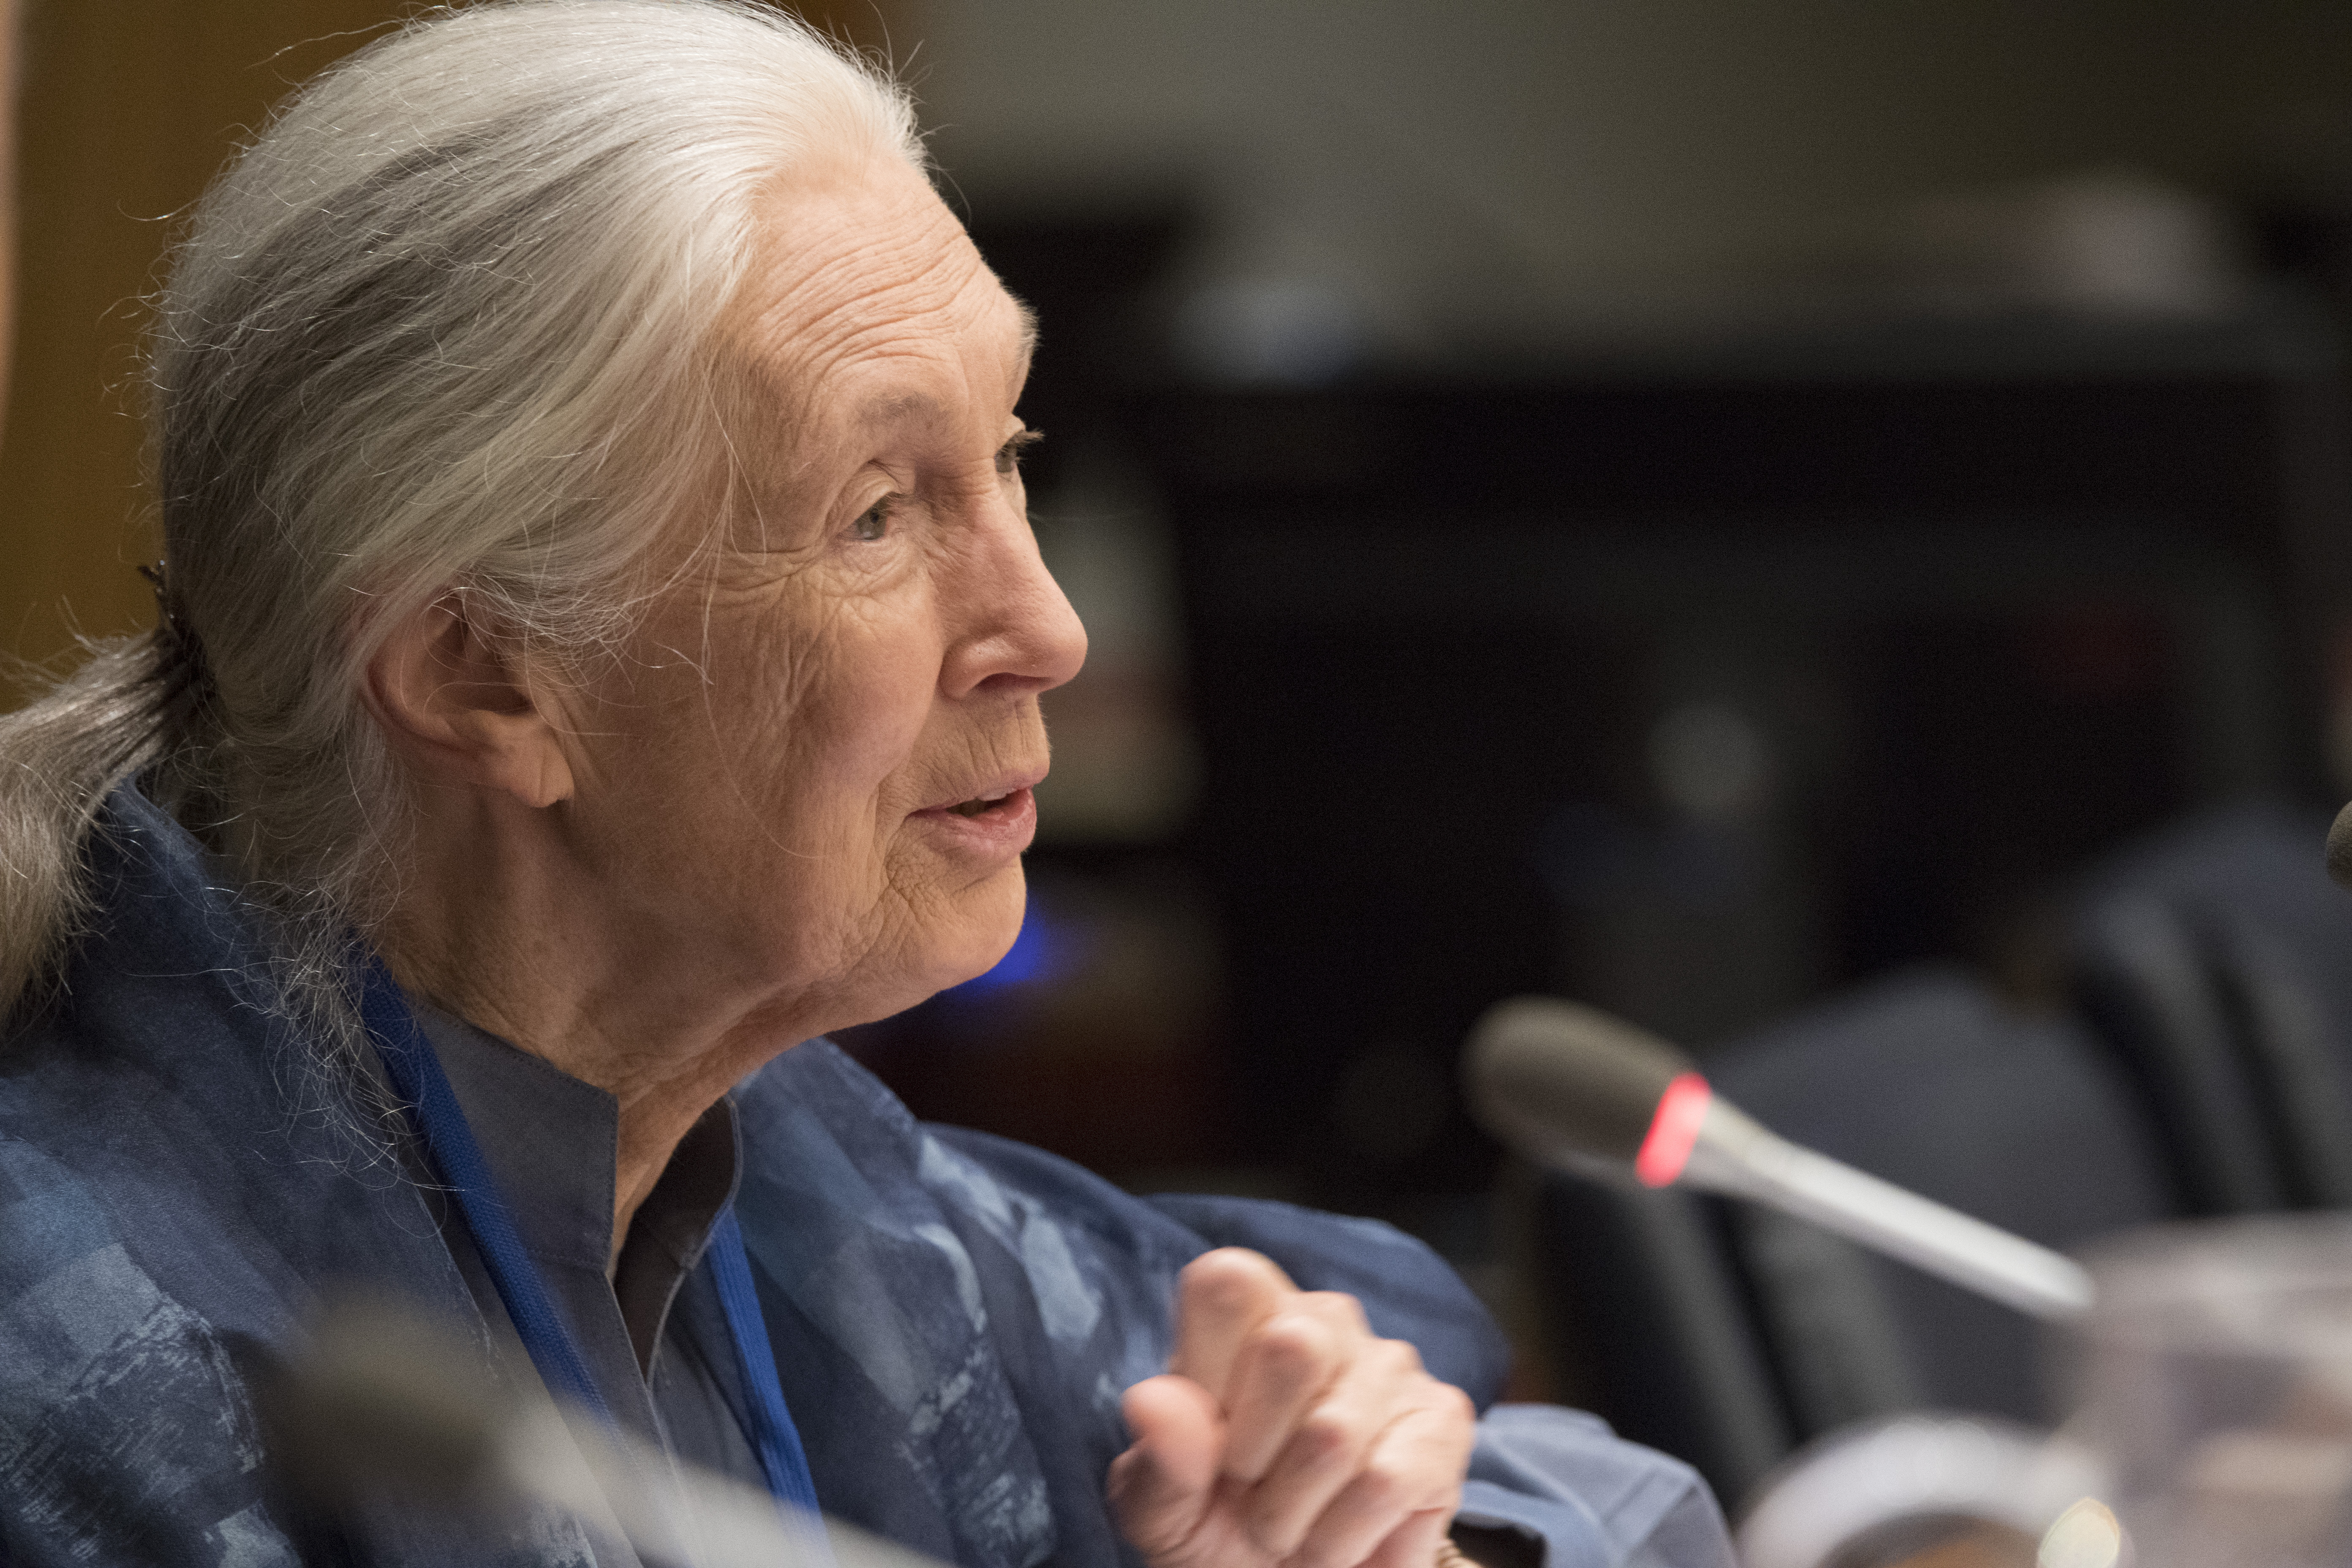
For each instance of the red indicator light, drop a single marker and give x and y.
(1673, 1131)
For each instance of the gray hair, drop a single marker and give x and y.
(446, 325)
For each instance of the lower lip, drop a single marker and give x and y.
(1004, 829)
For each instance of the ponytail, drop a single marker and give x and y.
(60, 757)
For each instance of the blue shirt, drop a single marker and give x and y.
(954, 1316)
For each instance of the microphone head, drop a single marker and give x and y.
(386, 1397)
(1554, 1080)
(2339, 848)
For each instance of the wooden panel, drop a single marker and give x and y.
(128, 109)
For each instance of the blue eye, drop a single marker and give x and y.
(874, 521)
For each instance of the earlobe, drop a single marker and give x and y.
(456, 700)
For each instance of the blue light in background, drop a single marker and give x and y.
(1042, 951)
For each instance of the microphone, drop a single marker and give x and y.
(1569, 1087)
(383, 1402)
(2339, 847)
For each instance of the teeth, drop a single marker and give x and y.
(974, 808)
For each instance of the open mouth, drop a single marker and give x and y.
(983, 806)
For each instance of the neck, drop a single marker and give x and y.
(510, 938)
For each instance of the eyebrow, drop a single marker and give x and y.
(888, 407)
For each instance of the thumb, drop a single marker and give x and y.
(1161, 1489)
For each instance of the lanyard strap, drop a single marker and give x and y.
(457, 1159)
(781, 1457)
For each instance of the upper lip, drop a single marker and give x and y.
(1004, 784)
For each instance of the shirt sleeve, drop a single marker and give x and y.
(1593, 1500)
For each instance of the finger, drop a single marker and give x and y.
(1295, 1360)
(1161, 1489)
(1416, 1466)
(1414, 1543)
(1331, 1442)
(1221, 1298)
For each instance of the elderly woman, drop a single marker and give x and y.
(600, 652)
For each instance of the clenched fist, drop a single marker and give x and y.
(1285, 1432)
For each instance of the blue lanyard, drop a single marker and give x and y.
(781, 1457)
(440, 1121)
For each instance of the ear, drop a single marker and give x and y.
(455, 703)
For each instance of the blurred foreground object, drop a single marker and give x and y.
(2339, 847)
(2215, 1380)
(1948, 1490)
(386, 1401)
(2213, 1387)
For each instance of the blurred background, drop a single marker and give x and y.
(1796, 524)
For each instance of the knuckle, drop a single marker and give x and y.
(1397, 1356)
(1316, 1553)
(1387, 1485)
(1337, 1308)
(1324, 1436)
(1291, 1343)
(1277, 1348)
(1269, 1531)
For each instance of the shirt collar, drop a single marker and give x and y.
(551, 1141)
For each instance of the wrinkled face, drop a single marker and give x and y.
(813, 776)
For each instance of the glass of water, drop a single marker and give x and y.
(2213, 1378)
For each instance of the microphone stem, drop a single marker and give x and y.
(1738, 1156)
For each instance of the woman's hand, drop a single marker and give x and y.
(1284, 1432)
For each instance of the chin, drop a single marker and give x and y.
(995, 914)
(971, 938)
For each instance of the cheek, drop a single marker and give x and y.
(829, 718)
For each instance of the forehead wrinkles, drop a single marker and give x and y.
(886, 356)
(861, 278)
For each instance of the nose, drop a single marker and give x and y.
(1021, 634)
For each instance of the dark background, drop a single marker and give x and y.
(1685, 510)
